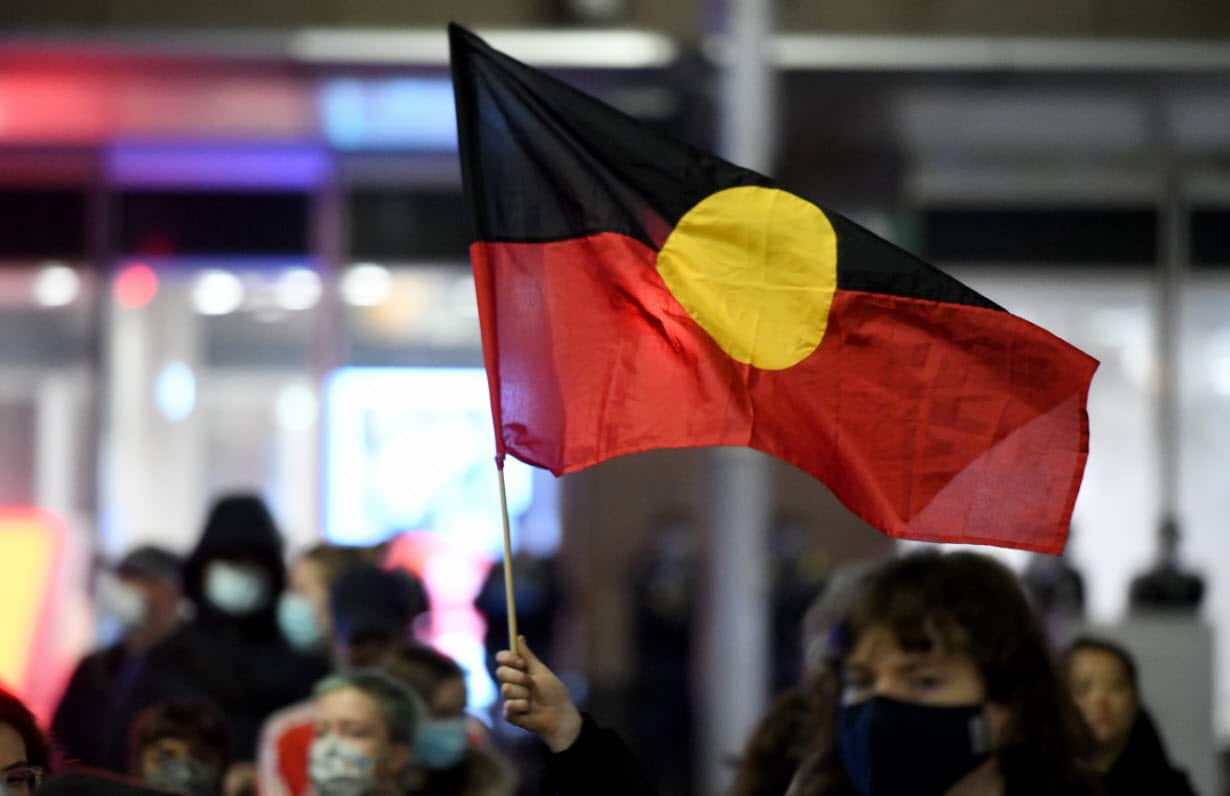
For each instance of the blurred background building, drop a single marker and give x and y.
(233, 254)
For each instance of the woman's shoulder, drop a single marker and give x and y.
(1144, 763)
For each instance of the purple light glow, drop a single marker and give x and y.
(265, 166)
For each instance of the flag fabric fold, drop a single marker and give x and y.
(636, 293)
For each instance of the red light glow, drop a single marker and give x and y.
(452, 575)
(60, 105)
(136, 286)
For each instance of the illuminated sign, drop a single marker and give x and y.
(30, 549)
(413, 449)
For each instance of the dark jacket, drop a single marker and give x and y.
(107, 691)
(1021, 778)
(597, 763)
(242, 663)
(84, 783)
(96, 710)
(1143, 767)
(1023, 775)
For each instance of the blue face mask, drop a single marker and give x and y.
(297, 621)
(892, 748)
(441, 743)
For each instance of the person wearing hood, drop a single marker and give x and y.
(1128, 749)
(238, 657)
(110, 686)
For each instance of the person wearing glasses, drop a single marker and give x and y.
(25, 753)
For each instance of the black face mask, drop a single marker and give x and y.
(892, 748)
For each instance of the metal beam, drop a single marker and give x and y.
(857, 52)
(427, 47)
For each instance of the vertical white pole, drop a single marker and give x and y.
(57, 445)
(1173, 252)
(734, 625)
(330, 230)
(153, 481)
(1171, 276)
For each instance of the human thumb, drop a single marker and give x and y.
(523, 648)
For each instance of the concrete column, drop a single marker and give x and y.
(297, 486)
(733, 648)
(152, 475)
(58, 444)
(733, 663)
(1172, 274)
(1174, 244)
(749, 113)
(330, 230)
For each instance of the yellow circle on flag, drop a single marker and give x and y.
(756, 268)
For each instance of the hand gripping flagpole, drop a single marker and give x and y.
(509, 598)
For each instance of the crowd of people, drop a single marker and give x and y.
(234, 673)
(927, 675)
(937, 680)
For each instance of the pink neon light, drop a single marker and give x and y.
(54, 106)
(136, 286)
(50, 101)
(452, 576)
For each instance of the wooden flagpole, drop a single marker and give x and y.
(509, 599)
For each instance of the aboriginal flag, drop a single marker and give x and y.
(637, 293)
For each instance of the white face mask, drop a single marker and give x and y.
(122, 601)
(337, 768)
(236, 589)
(188, 776)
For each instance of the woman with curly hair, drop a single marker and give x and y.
(940, 682)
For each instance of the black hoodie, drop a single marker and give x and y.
(1143, 767)
(242, 662)
(239, 528)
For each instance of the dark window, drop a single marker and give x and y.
(42, 223)
(1040, 235)
(403, 225)
(165, 223)
(1211, 236)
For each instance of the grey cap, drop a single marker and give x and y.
(151, 562)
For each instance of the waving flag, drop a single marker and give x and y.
(637, 293)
